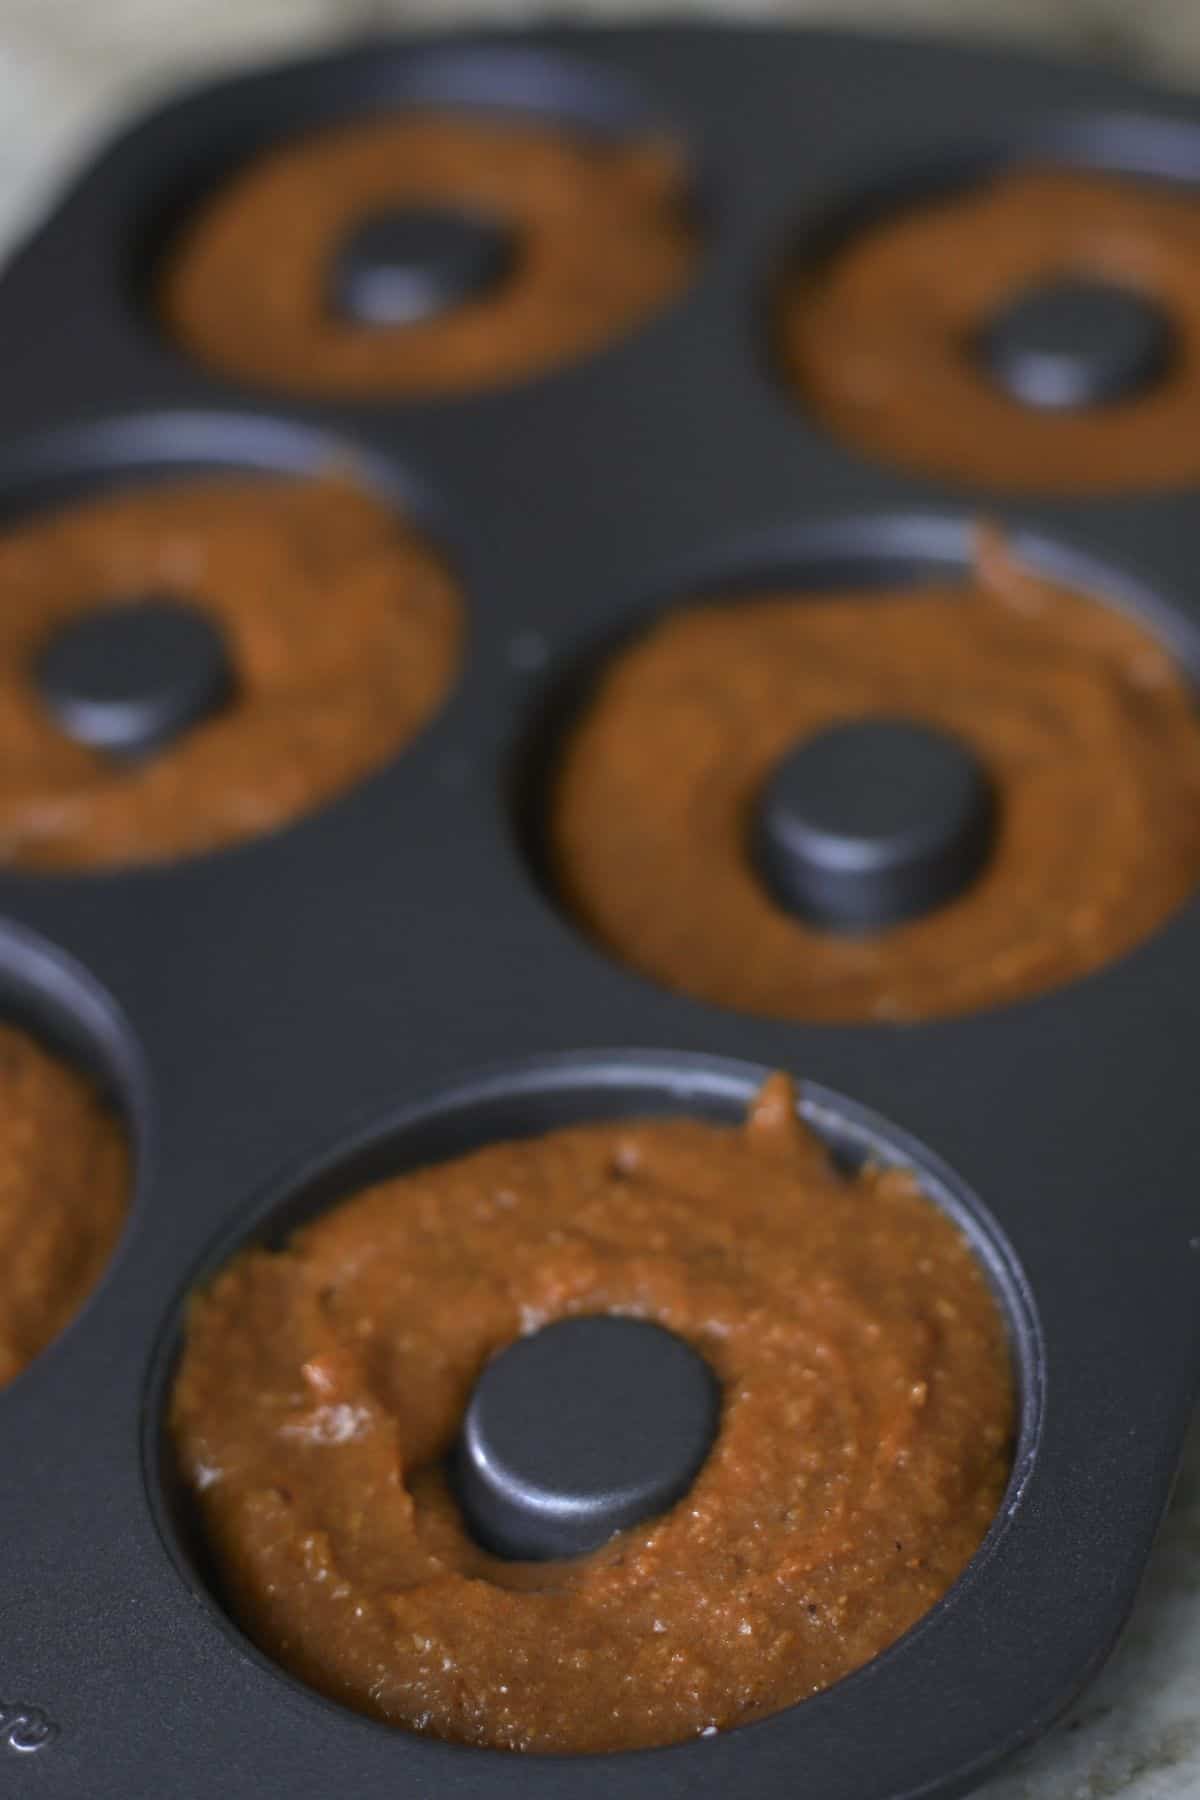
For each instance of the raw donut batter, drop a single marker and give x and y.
(64, 1192)
(863, 1446)
(342, 626)
(601, 239)
(882, 337)
(1085, 726)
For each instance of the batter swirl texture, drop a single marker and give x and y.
(341, 625)
(600, 231)
(882, 338)
(1086, 729)
(64, 1192)
(863, 1446)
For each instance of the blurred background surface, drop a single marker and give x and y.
(70, 68)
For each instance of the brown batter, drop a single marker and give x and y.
(341, 623)
(602, 234)
(64, 1190)
(879, 338)
(1085, 726)
(863, 1448)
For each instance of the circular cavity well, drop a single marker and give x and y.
(506, 216)
(1031, 326)
(200, 647)
(879, 784)
(626, 1115)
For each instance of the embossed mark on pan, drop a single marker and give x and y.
(25, 1728)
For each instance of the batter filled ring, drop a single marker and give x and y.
(1083, 724)
(598, 231)
(883, 337)
(64, 1192)
(863, 1445)
(340, 624)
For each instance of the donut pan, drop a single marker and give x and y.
(390, 980)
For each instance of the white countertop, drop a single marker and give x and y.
(69, 69)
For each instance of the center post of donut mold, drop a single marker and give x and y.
(873, 821)
(413, 262)
(579, 1430)
(133, 676)
(1074, 342)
